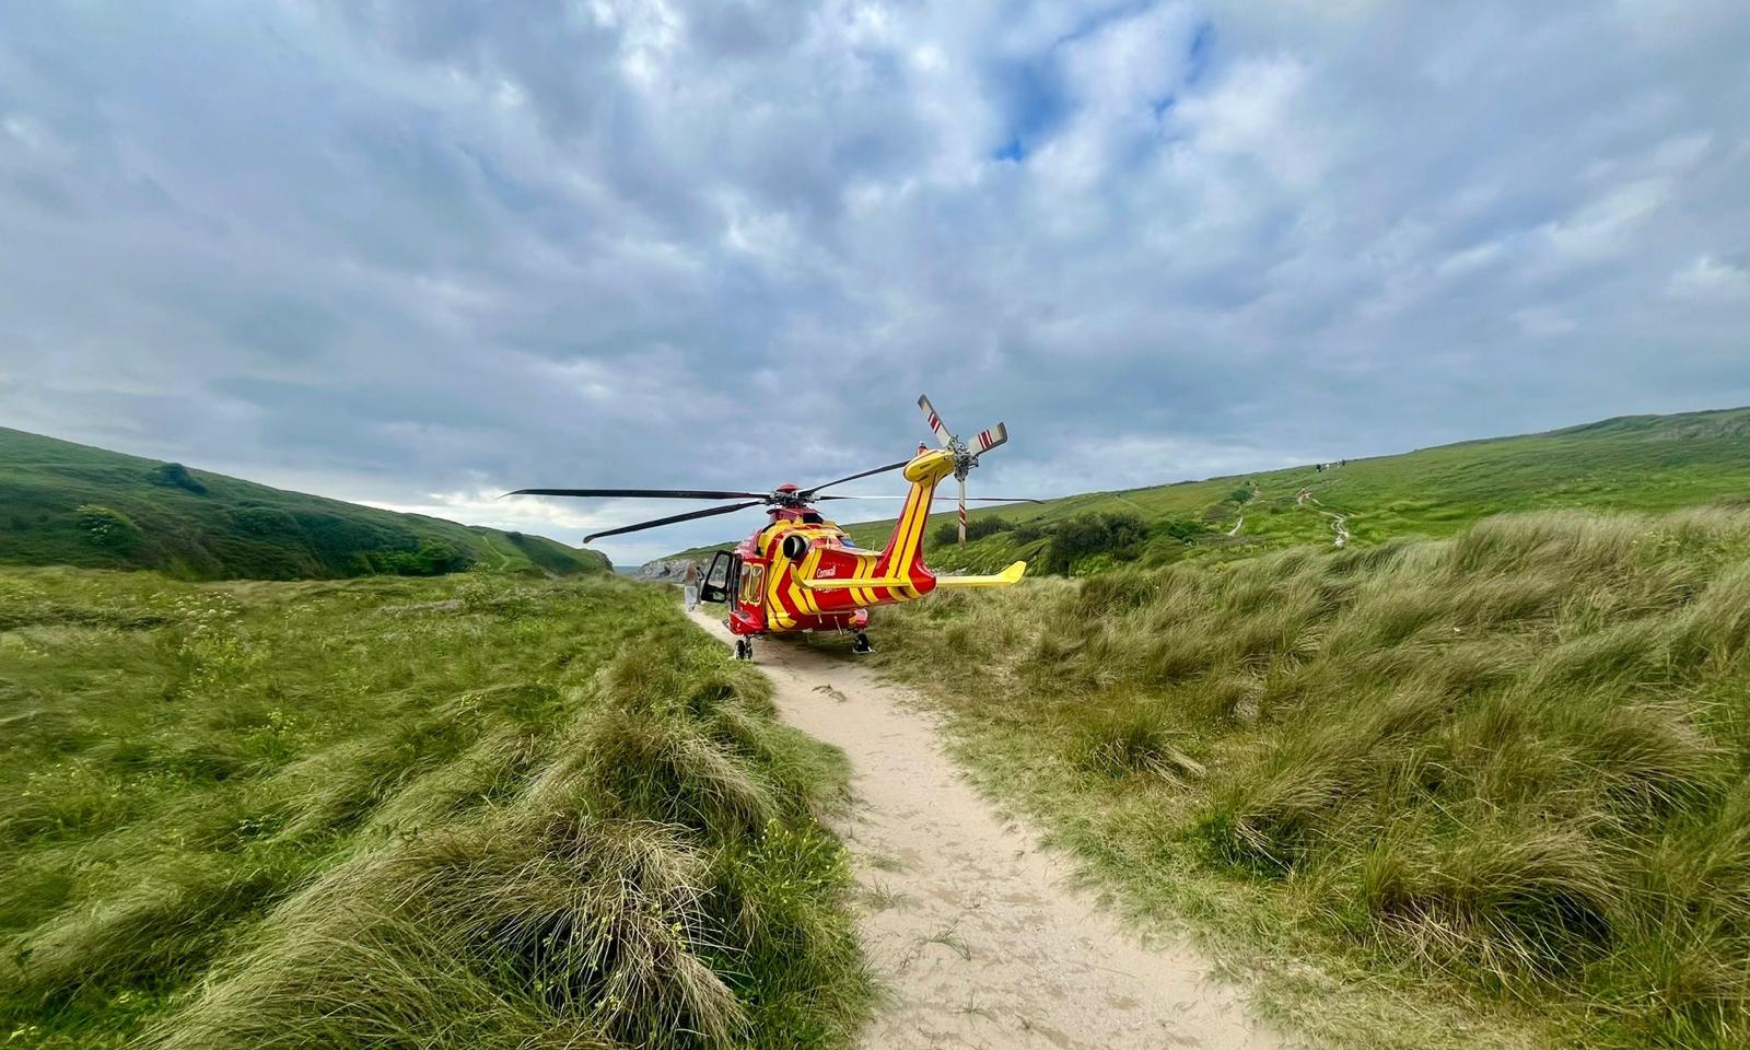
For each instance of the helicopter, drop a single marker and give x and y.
(801, 572)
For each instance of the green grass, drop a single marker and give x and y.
(471, 811)
(68, 504)
(1491, 789)
(1648, 463)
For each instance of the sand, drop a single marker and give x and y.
(978, 936)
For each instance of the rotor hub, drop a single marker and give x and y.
(964, 460)
(788, 495)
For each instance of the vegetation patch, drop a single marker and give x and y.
(466, 812)
(1504, 771)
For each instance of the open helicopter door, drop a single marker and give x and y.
(723, 579)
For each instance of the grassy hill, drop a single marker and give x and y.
(470, 813)
(1630, 463)
(67, 504)
(1503, 775)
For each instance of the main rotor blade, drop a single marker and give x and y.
(940, 499)
(672, 519)
(936, 423)
(642, 493)
(806, 493)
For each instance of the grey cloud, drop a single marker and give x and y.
(403, 248)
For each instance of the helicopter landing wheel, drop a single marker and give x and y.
(743, 649)
(860, 644)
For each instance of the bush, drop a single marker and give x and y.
(109, 529)
(265, 521)
(431, 558)
(1084, 535)
(1185, 531)
(175, 475)
(948, 533)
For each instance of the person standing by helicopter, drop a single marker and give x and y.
(690, 584)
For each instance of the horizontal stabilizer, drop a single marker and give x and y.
(1007, 578)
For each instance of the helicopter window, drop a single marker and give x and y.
(811, 517)
(752, 576)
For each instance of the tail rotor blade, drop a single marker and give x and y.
(936, 423)
(985, 440)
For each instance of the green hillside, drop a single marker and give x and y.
(1630, 463)
(68, 504)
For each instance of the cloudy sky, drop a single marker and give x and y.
(417, 253)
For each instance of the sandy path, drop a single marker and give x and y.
(978, 936)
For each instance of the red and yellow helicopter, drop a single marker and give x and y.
(801, 572)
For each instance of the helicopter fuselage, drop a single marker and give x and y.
(804, 573)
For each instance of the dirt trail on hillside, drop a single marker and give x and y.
(979, 938)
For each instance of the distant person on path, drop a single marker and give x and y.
(690, 584)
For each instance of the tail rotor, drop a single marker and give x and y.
(966, 453)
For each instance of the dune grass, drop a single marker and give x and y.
(1483, 790)
(467, 812)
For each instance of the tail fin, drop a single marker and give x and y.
(904, 553)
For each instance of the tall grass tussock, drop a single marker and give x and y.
(391, 813)
(1510, 764)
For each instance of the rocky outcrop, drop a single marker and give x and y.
(667, 570)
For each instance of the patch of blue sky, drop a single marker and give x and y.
(1034, 98)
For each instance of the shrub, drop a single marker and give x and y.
(430, 558)
(1085, 535)
(175, 475)
(948, 533)
(1184, 530)
(265, 521)
(109, 529)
